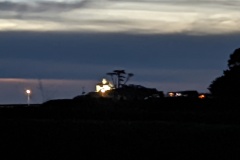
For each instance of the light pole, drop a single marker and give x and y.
(28, 91)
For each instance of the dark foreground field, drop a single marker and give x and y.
(137, 130)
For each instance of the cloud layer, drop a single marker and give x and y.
(175, 16)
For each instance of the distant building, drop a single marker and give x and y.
(205, 95)
(188, 93)
(104, 86)
(134, 92)
(125, 92)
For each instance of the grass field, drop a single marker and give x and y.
(104, 133)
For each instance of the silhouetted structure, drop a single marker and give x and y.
(188, 94)
(134, 92)
(228, 85)
(119, 90)
(104, 86)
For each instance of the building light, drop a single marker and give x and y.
(178, 94)
(202, 96)
(171, 94)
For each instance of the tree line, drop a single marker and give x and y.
(228, 84)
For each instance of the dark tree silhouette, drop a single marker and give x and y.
(234, 60)
(112, 74)
(228, 85)
(118, 77)
(128, 77)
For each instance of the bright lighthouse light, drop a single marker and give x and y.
(104, 81)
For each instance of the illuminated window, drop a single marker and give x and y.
(202, 96)
(178, 94)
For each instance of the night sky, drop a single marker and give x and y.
(60, 48)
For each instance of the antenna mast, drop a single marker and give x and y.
(40, 86)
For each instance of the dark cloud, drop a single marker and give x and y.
(161, 51)
(50, 6)
(154, 59)
(9, 6)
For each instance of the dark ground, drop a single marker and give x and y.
(89, 129)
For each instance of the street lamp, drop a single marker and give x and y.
(28, 92)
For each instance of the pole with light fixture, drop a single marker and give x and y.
(28, 92)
